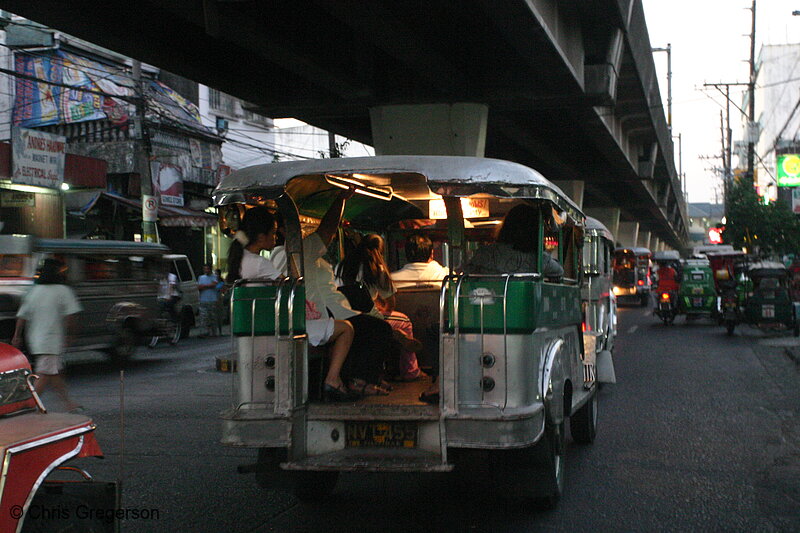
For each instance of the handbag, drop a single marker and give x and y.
(358, 297)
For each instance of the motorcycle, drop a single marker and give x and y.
(667, 308)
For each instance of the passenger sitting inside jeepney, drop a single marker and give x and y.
(516, 247)
(422, 268)
(372, 341)
(256, 233)
(514, 251)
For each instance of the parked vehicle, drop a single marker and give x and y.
(600, 303)
(698, 295)
(767, 303)
(36, 446)
(116, 283)
(632, 275)
(511, 357)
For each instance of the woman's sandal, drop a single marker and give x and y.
(336, 394)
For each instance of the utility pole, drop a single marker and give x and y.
(751, 115)
(334, 150)
(142, 149)
(727, 150)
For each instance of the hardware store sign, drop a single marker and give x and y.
(37, 158)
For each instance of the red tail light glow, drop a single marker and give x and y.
(665, 296)
(641, 282)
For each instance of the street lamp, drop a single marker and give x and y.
(668, 50)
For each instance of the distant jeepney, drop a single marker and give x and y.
(116, 283)
(510, 346)
(632, 275)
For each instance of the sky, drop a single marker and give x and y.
(710, 44)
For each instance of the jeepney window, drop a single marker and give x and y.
(184, 271)
(96, 269)
(570, 255)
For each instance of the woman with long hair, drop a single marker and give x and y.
(365, 269)
(257, 232)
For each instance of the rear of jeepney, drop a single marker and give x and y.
(599, 301)
(510, 350)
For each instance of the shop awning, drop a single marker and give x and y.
(169, 216)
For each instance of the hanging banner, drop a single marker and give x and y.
(168, 182)
(37, 158)
(789, 170)
(796, 201)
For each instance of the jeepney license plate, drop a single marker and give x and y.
(381, 434)
(697, 302)
(768, 311)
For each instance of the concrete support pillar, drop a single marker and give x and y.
(655, 242)
(429, 129)
(573, 189)
(609, 216)
(644, 240)
(628, 234)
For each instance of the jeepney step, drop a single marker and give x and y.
(373, 460)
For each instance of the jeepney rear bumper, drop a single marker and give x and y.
(479, 427)
(489, 428)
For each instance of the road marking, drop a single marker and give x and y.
(648, 312)
(632, 329)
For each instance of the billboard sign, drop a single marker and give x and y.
(168, 181)
(789, 170)
(37, 158)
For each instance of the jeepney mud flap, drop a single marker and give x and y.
(605, 368)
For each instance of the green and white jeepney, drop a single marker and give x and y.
(511, 351)
(600, 303)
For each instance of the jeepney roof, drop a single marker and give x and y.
(768, 265)
(633, 251)
(410, 178)
(667, 255)
(16, 244)
(596, 228)
(100, 246)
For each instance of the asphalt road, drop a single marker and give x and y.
(700, 433)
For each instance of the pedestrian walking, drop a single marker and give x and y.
(209, 301)
(45, 319)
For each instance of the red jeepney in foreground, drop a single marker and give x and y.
(33, 444)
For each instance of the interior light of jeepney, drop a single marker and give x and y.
(380, 193)
(616, 290)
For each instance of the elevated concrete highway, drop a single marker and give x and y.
(565, 86)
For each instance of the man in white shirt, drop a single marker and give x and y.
(44, 318)
(422, 269)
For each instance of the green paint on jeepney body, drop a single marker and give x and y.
(529, 305)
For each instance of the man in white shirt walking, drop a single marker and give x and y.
(422, 268)
(45, 318)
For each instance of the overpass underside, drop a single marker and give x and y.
(570, 85)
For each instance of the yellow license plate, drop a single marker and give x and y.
(381, 435)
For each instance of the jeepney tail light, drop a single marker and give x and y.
(665, 296)
(583, 326)
(641, 282)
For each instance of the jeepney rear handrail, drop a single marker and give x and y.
(506, 277)
(279, 284)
